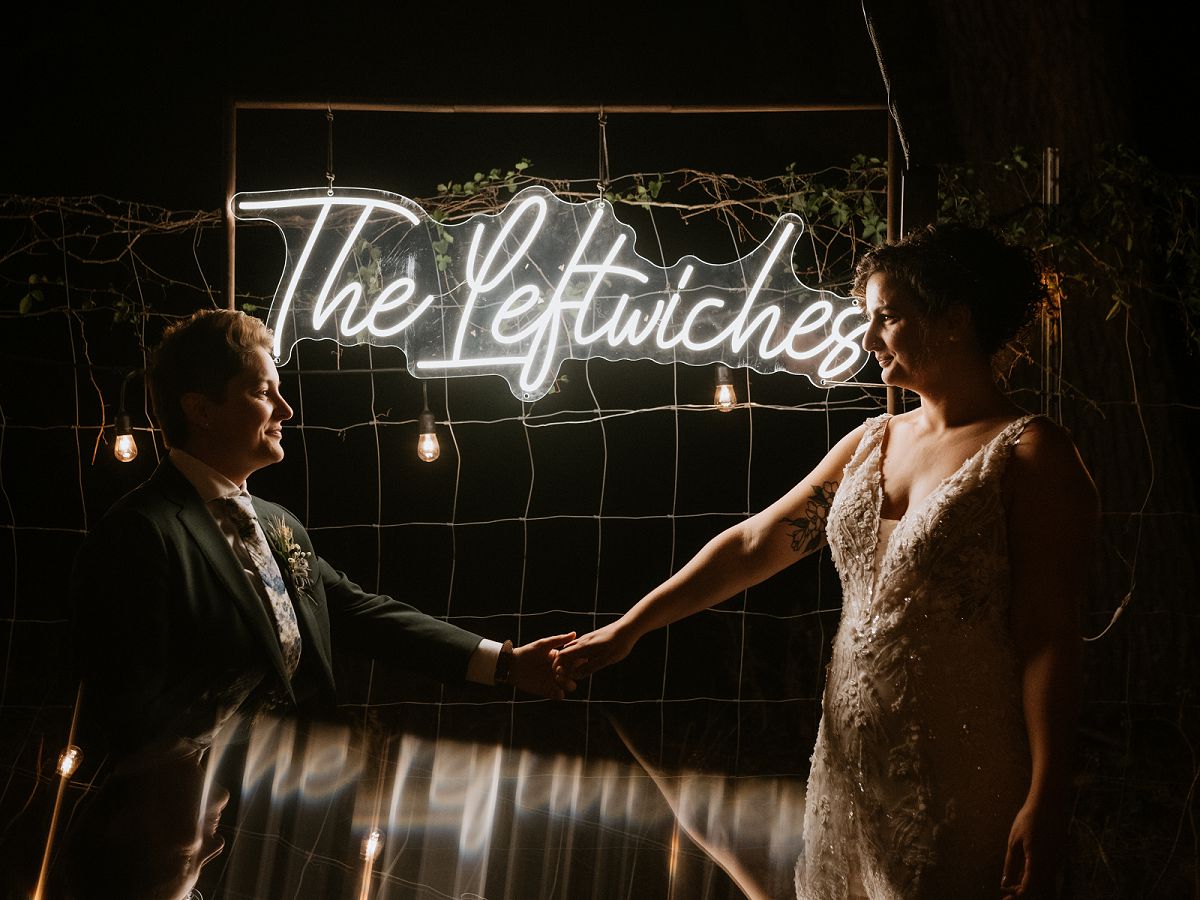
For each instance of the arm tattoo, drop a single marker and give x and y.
(808, 531)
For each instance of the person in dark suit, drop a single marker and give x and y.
(192, 599)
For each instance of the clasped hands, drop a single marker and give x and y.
(551, 666)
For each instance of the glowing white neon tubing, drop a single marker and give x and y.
(850, 343)
(385, 303)
(598, 272)
(551, 306)
(480, 285)
(284, 202)
(545, 331)
(291, 291)
(325, 204)
(737, 328)
(354, 289)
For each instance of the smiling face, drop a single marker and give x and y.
(242, 431)
(897, 331)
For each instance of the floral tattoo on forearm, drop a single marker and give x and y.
(808, 531)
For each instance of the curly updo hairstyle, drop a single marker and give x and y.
(952, 264)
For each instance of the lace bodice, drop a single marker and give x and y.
(921, 758)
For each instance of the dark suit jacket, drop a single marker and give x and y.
(168, 628)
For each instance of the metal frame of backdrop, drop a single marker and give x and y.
(900, 187)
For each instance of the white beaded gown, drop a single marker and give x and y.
(921, 760)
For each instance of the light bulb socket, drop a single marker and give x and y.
(124, 424)
(724, 374)
(427, 422)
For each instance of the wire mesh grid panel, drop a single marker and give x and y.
(544, 518)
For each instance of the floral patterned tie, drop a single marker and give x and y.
(239, 512)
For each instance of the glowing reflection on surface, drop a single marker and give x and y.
(469, 819)
(320, 765)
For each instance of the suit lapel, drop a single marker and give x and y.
(211, 543)
(314, 633)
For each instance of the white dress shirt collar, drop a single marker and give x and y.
(208, 482)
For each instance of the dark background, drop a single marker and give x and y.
(130, 103)
(114, 100)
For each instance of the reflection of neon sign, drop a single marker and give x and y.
(545, 280)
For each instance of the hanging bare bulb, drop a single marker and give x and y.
(724, 397)
(68, 760)
(428, 448)
(372, 844)
(124, 447)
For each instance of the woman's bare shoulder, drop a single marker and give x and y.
(1045, 460)
(844, 449)
(1046, 442)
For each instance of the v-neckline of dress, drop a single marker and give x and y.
(880, 454)
(881, 560)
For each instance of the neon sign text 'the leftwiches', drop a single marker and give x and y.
(545, 280)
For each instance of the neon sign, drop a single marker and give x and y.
(545, 280)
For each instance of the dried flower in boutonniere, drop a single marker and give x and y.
(283, 542)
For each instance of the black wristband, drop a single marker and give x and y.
(504, 663)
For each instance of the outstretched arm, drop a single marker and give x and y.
(737, 558)
(1053, 519)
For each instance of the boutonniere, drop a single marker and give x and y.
(283, 542)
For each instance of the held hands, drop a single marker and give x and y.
(534, 670)
(589, 654)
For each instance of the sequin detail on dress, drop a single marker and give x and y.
(921, 760)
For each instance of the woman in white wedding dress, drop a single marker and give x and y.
(962, 532)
